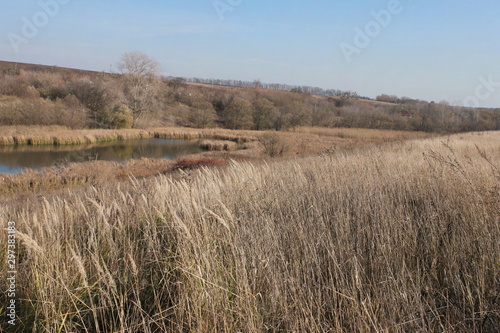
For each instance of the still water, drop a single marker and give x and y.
(13, 159)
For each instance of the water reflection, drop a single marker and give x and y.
(14, 159)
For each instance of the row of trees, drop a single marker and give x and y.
(139, 96)
(273, 86)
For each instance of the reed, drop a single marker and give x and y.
(56, 135)
(218, 145)
(394, 238)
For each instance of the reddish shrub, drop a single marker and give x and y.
(199, 162)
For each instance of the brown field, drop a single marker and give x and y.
(400, 237)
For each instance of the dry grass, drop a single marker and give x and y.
(192, 133)
(194, 163)
(50, 135)
(77, 174)
(218, 145)
(307, 140)
(373, 135)
(399, 238)
(59, 135)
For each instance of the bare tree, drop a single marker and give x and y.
(137, 63)
(141, 82)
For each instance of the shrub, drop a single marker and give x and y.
(97, 96)
(273, 145)
(120, 117)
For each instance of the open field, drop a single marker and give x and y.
(403, 237)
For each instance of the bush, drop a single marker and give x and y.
(273, 145)
(49, 85)
(97, 96)
(17, 86)
(121, 117)
(66, 112)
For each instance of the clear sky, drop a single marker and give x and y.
(427, 49)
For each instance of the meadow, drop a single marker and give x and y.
(357, 237)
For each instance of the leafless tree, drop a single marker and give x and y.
(141, 82)
(137, 63)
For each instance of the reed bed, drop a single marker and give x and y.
(58, 135)
(218, 145)
(400, 238)
(191, 134)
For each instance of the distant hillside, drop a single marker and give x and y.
(49, 95)
(12, 67)
(7, 67)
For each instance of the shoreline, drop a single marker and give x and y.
(58, 135)
(220, 145)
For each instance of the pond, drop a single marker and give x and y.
(13, 159)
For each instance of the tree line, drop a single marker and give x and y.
(272, 86)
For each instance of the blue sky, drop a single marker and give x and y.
(428, 49)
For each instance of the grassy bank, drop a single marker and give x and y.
(58, 135)
(399, 238)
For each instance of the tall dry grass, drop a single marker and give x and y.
(218, 145)
(60, 135)
(401, 238)
(48, 135)
(374, 135)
